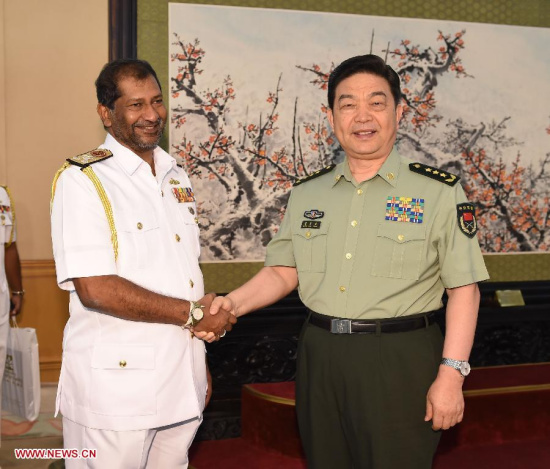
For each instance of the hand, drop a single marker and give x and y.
(445, 401)
(219, 303)
(212, 326)
(16, 301)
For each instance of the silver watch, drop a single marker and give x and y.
(462, 366)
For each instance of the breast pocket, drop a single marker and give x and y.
(123, 379)
(310, 247)
(138, 235)
(398, 251)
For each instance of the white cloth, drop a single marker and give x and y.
(164, 380)
(157, 448)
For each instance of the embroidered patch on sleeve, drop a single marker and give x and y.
(183, 194)
(405, 209)
(467, 223)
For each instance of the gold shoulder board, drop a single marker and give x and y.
(91, 157)
(434, 173)
(319, 172)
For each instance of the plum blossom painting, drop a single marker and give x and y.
(248, 115)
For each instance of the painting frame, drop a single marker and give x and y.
(152, 45)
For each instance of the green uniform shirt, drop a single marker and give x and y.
(358, 256)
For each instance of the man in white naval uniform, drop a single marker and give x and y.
(10, 273)
(126, 245)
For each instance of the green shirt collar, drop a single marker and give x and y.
(389, 171)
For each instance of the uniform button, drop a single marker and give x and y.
(122, 363)
(191, 210)
(3, 217)
(401, 237)
(162, 193)
(390, 176)
(342, 289)
(196, 220)
(354, 223)
(348, 255)
(359, 191)
(308, 234)
(191, 283)
(178, 238)
(139, 225)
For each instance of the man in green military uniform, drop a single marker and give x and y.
(372, 243)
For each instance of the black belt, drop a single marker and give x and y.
(358, 326)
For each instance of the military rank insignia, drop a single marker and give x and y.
(86, 159)
(466, 214)
(314, 214)
(174, 182)
(434, 173)
(183, 194)
(405, 209)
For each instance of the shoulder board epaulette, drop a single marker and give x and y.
(319, 172)
(91, 157)
(434, 173)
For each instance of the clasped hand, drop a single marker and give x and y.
(213, 326)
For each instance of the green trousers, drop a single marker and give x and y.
(361, 398)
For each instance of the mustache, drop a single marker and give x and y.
(145, 123)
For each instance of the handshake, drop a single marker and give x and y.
(217, 318)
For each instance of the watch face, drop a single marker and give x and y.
(198, 313)
(465, 368)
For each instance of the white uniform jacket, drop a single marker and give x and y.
(118, 374)
(7, 236)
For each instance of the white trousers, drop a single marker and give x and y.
(156, 448)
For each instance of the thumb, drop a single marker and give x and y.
(216, 305)
(429, 411)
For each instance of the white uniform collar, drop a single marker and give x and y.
(130, 162)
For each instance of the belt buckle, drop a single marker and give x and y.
(340, 326)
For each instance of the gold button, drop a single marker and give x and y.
(348, 255)
(122, 363)
(359, 191)
(308, 234)
(401, 237)
(354, 223)
(178, 238)
(139, 225)
(3, 217)
(337, 177)
(390, 176)
(191, 283)
(342, 289)
(196, 220)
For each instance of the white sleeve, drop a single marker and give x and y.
(80, 231)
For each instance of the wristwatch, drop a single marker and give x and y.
(195, 314)
(462, 366)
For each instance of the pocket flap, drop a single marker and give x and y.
(136, 222)
(309, 230)
(402, 232)
(124, 356)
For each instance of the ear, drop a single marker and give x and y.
(330, 117)
(105, 115)
(399, 112)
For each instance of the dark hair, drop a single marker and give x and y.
(106, 84)
(369, 63)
